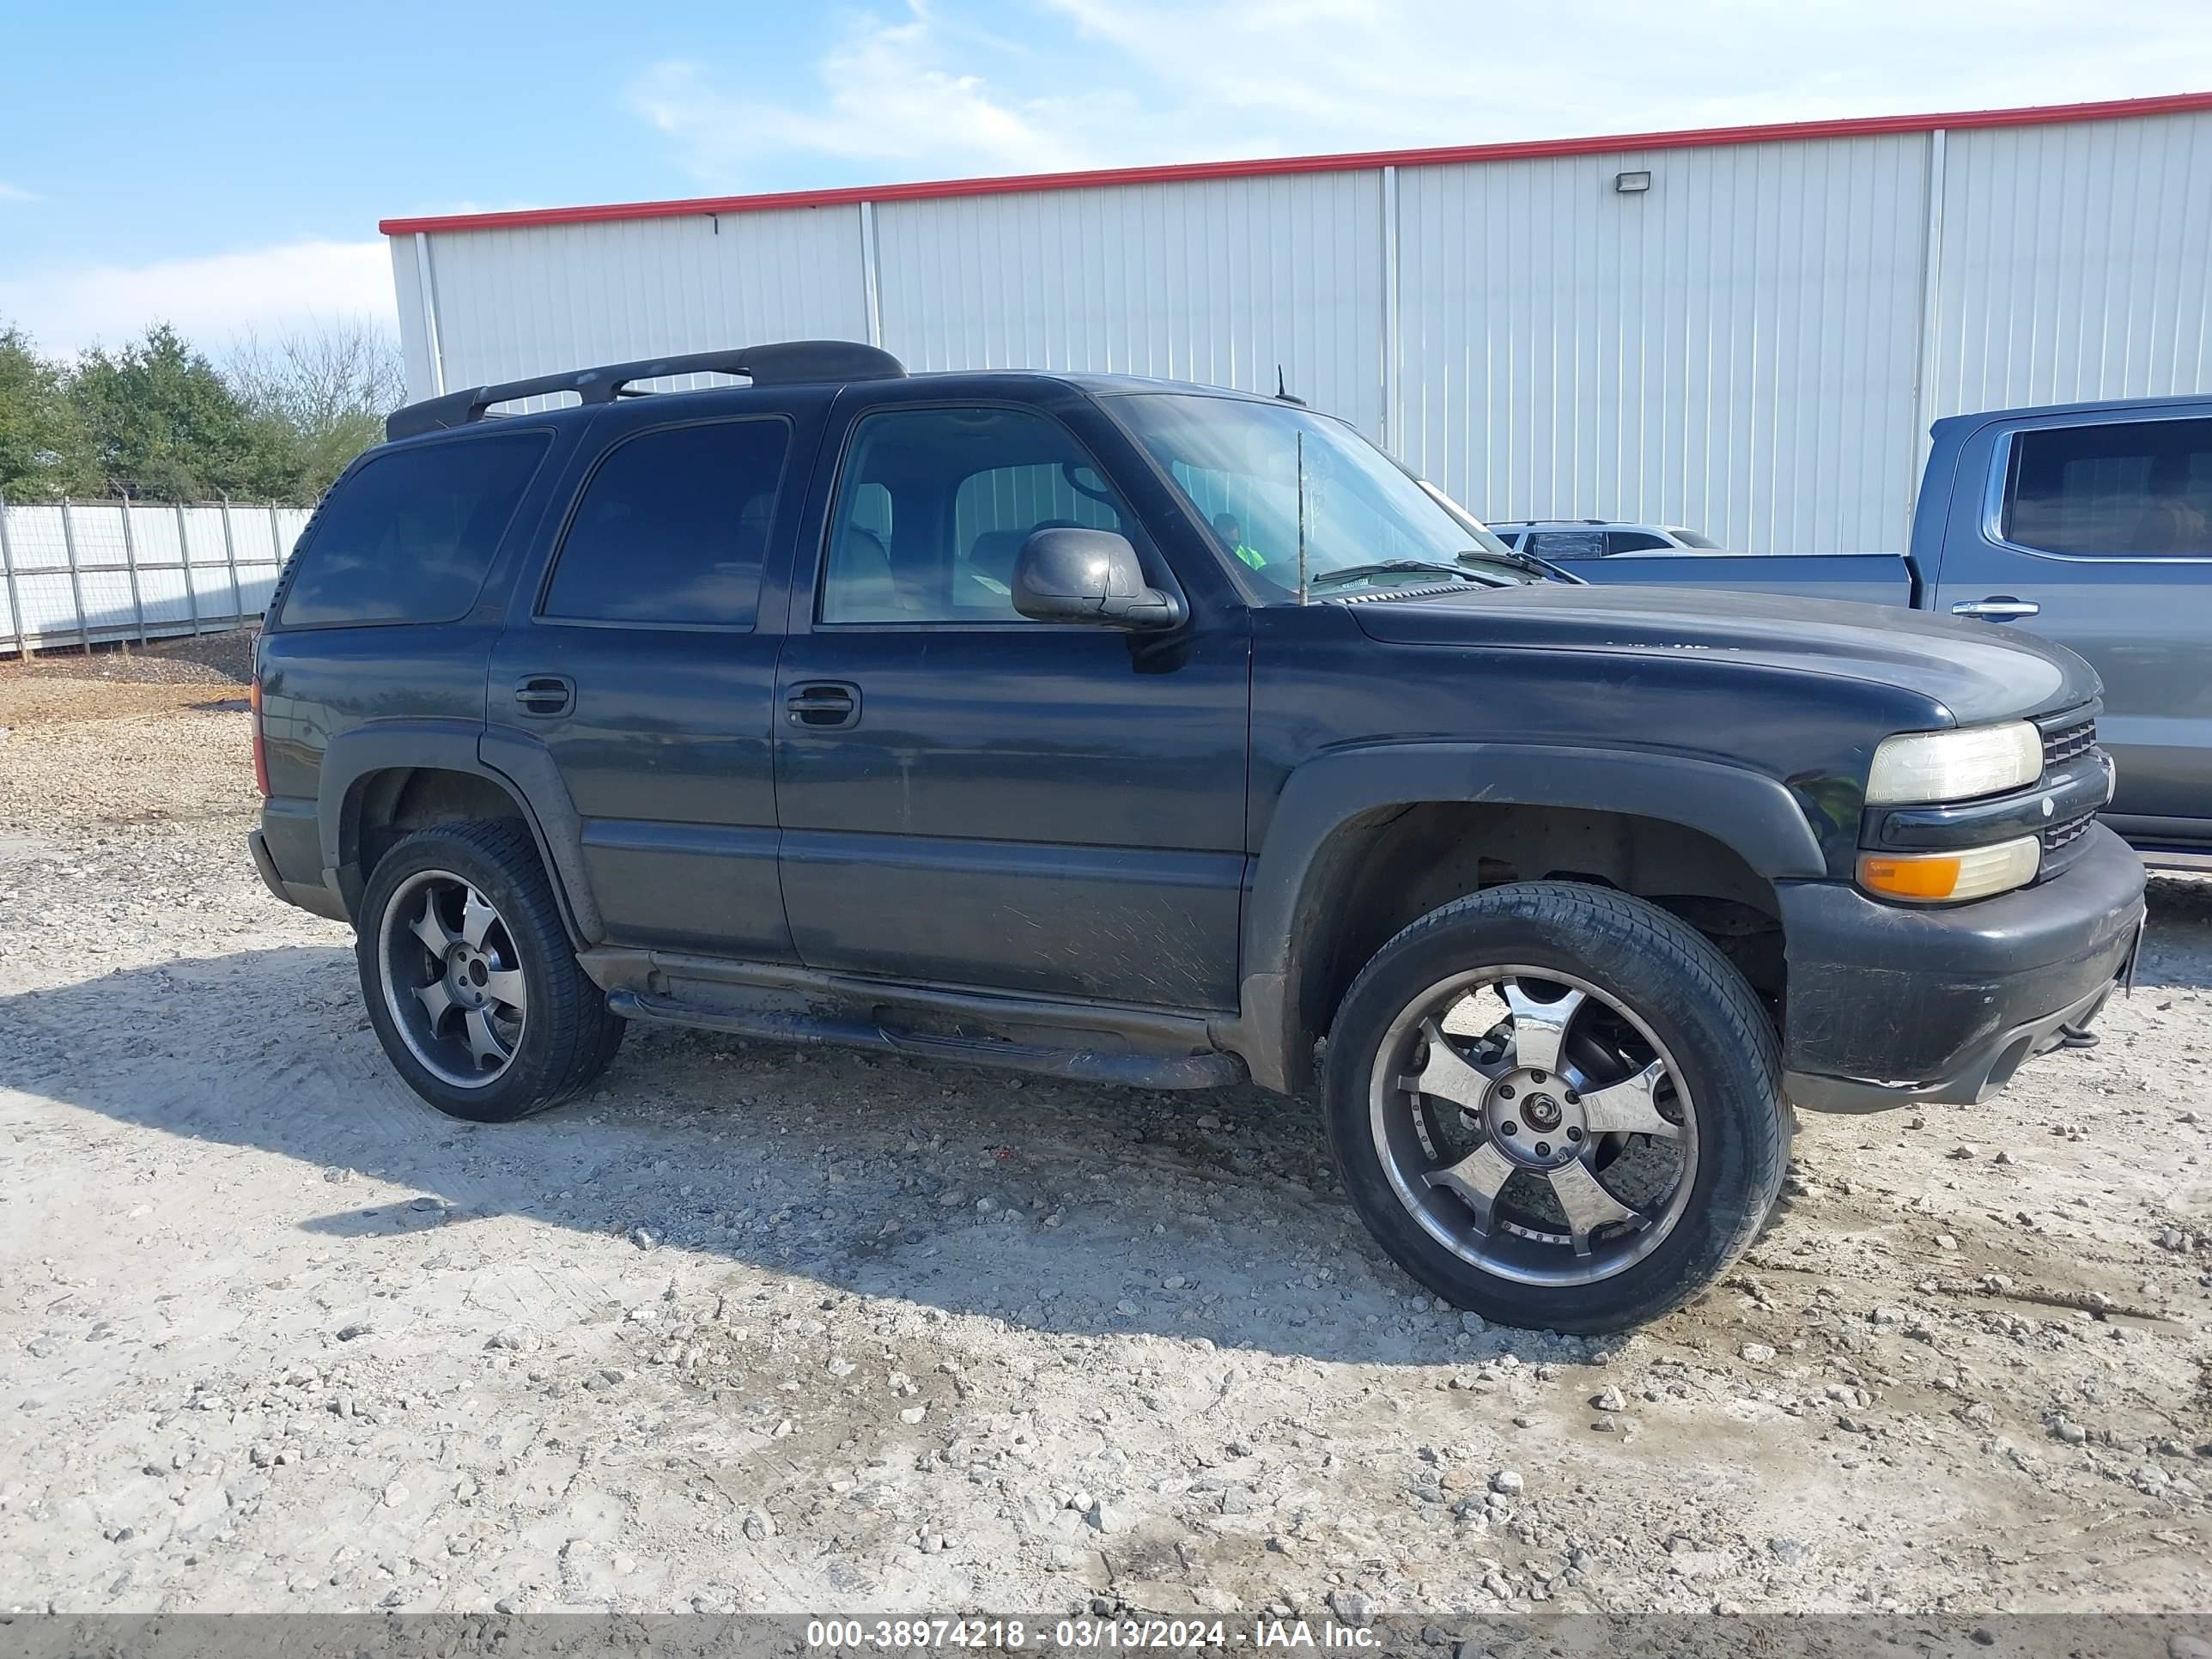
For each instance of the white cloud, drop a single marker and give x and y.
(1119, 82)
(916, 97)
(210, 300)
(16, 193)
(1377, 73)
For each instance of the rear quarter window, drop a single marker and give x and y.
(672, 528)
(410, 536)
(1566, 544)
(2128, 489)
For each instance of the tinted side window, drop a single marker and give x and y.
(672, 528)
(410, 537)
(1632, 541)
(871, 510)
(1566, 544)
(2133, 488)
(935, 503)
(1006, 501)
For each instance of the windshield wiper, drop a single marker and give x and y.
(1518, 561)
(1389, 567)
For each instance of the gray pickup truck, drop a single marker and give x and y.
(2090, 523)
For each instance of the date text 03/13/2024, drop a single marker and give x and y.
(1076, 1634)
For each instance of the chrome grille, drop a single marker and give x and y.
(2066, 738)
(2065, 835)
(2060, 744)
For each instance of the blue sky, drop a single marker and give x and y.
(225, 166)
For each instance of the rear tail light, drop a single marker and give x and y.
(260, 744)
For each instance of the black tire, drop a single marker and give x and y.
(1696, 1005)
(568, 1035)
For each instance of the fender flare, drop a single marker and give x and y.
(1755, 816)
(521, 769)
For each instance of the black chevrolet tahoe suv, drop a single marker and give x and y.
(1141, 732)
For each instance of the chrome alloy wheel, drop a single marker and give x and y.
(453, 979)
(1532, 1125)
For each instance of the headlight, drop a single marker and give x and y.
(1936, 765)
(1946, 878)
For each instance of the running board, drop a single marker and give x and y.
(1202, 1070)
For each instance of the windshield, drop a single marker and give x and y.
(1693, 538)
(1480, 534)
(1239, 462)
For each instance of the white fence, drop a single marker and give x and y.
(80, 573)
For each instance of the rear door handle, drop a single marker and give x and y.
(545, 695)
(1998, 607)
(823, 705)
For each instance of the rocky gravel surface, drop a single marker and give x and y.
(221, 658)
(758, 1328)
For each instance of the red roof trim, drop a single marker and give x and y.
(1857, 127)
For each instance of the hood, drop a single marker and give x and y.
(1977, 670)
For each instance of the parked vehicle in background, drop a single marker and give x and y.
(1599, 539)
(1141, 732)
(2090, 524)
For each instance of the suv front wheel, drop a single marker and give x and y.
(1557, 1106)
(470, 979)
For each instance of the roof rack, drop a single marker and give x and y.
(790, 362)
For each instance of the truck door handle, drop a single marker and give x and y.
(1998, 607)
(823, 705)
(545, 695)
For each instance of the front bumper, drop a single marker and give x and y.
(1888, 1005)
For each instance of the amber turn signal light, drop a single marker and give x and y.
(1948, 877)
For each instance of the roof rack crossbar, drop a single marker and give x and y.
(790, 362)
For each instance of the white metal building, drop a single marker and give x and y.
(1747, 330)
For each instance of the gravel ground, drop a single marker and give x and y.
(759, 1327)
(224, 659)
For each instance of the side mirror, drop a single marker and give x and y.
(1067, 575)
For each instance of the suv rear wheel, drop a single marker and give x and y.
(1557, 1105)
(469, 977)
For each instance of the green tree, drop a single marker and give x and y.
(158, 421)
(165, 425)
(45, 451)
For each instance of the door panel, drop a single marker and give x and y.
(1036, 809)
(668, 757)
(678, 546)
(2102, 526)
(973, 798)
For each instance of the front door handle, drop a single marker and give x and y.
(823, 705)
(1998, 607)
(545, 695)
